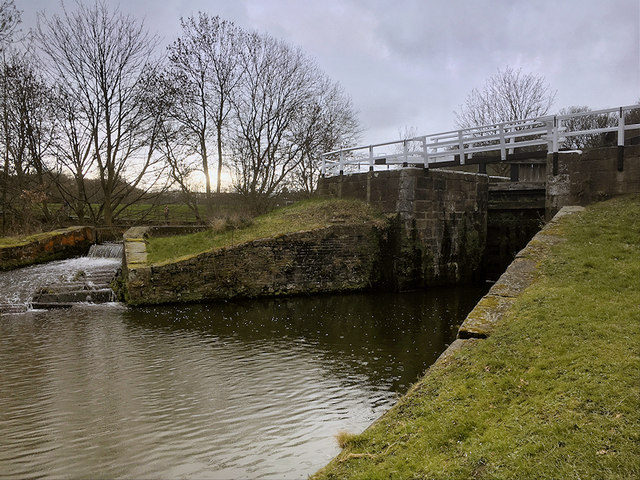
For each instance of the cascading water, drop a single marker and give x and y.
(62, 283)
(105, 250)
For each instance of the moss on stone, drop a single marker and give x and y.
(18, 252)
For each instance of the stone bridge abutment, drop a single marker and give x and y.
(441, 218)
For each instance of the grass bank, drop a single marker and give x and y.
(301, 216)
(553, 393)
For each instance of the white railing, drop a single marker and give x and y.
(458, 146)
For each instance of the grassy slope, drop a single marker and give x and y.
(554, 393)
(301, 216)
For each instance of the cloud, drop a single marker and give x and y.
(413, 62)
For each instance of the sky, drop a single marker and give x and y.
(410, 64)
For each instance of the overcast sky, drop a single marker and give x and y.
(411, 63)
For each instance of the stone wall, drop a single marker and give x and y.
(442, 215)
(332, 259)
(581, 178)
(54, 245)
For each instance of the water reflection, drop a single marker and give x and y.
(232, 390)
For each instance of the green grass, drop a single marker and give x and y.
(554, 393)
(301, 216)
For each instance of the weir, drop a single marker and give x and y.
(106, 250)
(62, 283)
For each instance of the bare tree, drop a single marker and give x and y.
(506, 96)
(204, 62)
(174, 143)
(99, 57)
(328, 122)
(277, 86)
(72, 150)
(34, 101)
(26, 132)
(9, 21)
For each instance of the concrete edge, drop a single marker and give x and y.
(520, 274)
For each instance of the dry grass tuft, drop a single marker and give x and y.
(344, 438)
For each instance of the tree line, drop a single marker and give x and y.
(93, 111)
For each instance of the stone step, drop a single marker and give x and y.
(89, 285)
(102, 295)
(50, 306)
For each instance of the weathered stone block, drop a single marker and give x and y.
(54, 245)
(482, 320)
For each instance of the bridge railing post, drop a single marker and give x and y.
(323, 168)
(405, 153)
(620, 128)
(341, 162)
(371, 158)
(425, 153)
(503, 149)
(461, 146)
(621, 141)
(554, 146)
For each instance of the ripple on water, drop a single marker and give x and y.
(260, 392)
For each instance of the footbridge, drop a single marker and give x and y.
(509, 142)
(468, 200)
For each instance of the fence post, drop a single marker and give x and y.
(371, 158)
(341, 162)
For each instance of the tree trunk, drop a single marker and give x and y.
(207, 176)
(5, 186)
(80, 196)
(107, 212)
(219, 158)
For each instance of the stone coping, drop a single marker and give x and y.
(135, 246)
(491, 308)
(43, 236)
(43, 247)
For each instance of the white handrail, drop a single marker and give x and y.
(503, 138)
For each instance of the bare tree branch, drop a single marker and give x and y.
(99, 57)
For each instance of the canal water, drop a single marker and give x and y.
(254, 389)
